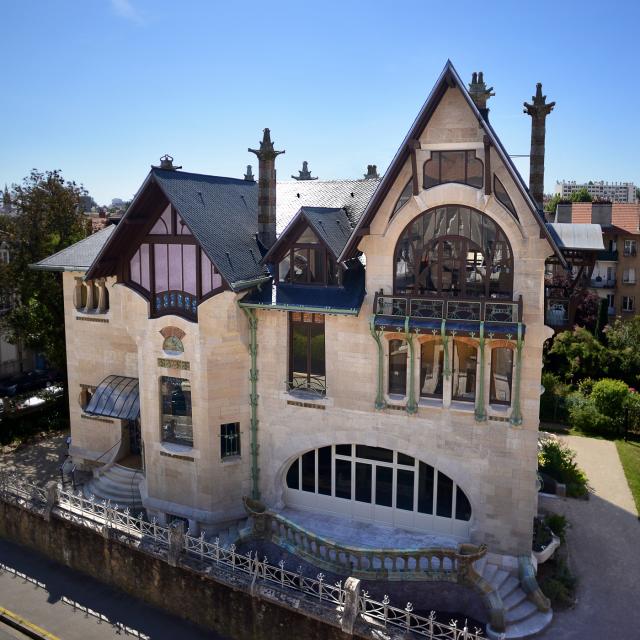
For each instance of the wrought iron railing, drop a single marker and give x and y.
(214, 557)
(314, 386)
(442, 308)
(557, 312)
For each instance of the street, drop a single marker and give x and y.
(45, 599)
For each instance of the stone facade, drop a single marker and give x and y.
(492, 461)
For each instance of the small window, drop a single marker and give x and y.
(176, 421)
(501, 375)
(398, 367)
(453, 166)
(405, 196)
(503, 196)
(628, 303)
(229, 439)
(630, 248)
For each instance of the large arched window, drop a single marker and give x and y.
(455, 251)
(380, 485)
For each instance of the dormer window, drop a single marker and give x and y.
(453, 166)
(307, 261)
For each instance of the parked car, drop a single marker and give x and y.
(25, 382)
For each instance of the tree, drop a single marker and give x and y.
(581, 195)
(48, 219)
(575, 355)
(623, 340)
(602, 319)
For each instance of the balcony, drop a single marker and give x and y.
(434, 307)
(557, 312)
(603, 283)
(607, 256)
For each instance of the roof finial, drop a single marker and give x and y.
(266, 147)
(372, 172)
(249, 175)
(166, 163)
(304, 173)
(480, 93)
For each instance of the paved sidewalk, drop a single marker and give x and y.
(604, 548)
(37, 461)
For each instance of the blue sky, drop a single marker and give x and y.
(102, 88)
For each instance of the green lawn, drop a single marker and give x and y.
(629, 453)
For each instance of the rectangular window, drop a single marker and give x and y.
(309, 471)
(384, 486)
(629, 276)
(363, 482)
(501, 376)
(628, 303)
(611, 302)
(397, 367)
(307, 353)
(444, 501)
(176, 422)
(425, 488)
(343, 478)
(431, 366)
(464, 371)
(630, 248)
(230, 439)
(324, 471)
(404, 490)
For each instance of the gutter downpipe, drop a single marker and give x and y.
(516, 414)
(380, 403)
(253, 401)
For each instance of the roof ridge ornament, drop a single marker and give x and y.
(166, 163)
(372, 172)
(249, 175)
(304, 173)
(266, 151)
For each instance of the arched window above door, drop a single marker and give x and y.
(454, 251)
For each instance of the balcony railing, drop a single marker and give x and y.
(603, 283)
(441, 308)
(309, 388)
(557, 312)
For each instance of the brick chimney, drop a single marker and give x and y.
(480, 94)
(538, 110)
(266, 190)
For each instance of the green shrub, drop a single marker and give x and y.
(557, 523)
(586, 386)
(558, 461)
(584, 416)
(553, 407)
(610, 398)
(558, 583)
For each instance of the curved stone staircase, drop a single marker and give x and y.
(120, 485)
(522, 616)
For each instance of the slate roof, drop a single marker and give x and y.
(332, 226)
(222, 214)
(345, 300)
(79, 256)
(572, 235)
(350, 195)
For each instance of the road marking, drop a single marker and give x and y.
(22, 624)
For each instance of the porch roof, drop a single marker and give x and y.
(116, 397)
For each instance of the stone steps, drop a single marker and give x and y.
(118, 484)
(523, 619)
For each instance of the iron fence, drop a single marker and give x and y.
(106, 517)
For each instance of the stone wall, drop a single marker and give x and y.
(222, 604)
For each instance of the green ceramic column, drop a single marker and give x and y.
(253, 400)
(412, 406)
(380, 403)
(481, 415)
(516, 413)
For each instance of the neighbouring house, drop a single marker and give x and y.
(369, 350)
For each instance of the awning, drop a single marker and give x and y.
(116, 397)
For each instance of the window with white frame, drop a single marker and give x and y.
(501, 375)
(465, 358)
(431, 369)
(630, 248)
(628, 303)
(629, 276)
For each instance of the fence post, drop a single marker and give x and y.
(176, 542)
(52, 498)
(351, 604)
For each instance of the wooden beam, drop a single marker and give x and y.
(413, 145)
(487, 166)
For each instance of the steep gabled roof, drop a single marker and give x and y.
(221, 213)
(79, 256)
(448, 78)
(331, 225)
(350, 195)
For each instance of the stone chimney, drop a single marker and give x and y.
(249, 175)
(538, 110)
(480, 94)
(372, 172)
(266, 190)
(304, 173)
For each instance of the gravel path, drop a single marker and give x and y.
(604, 547)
